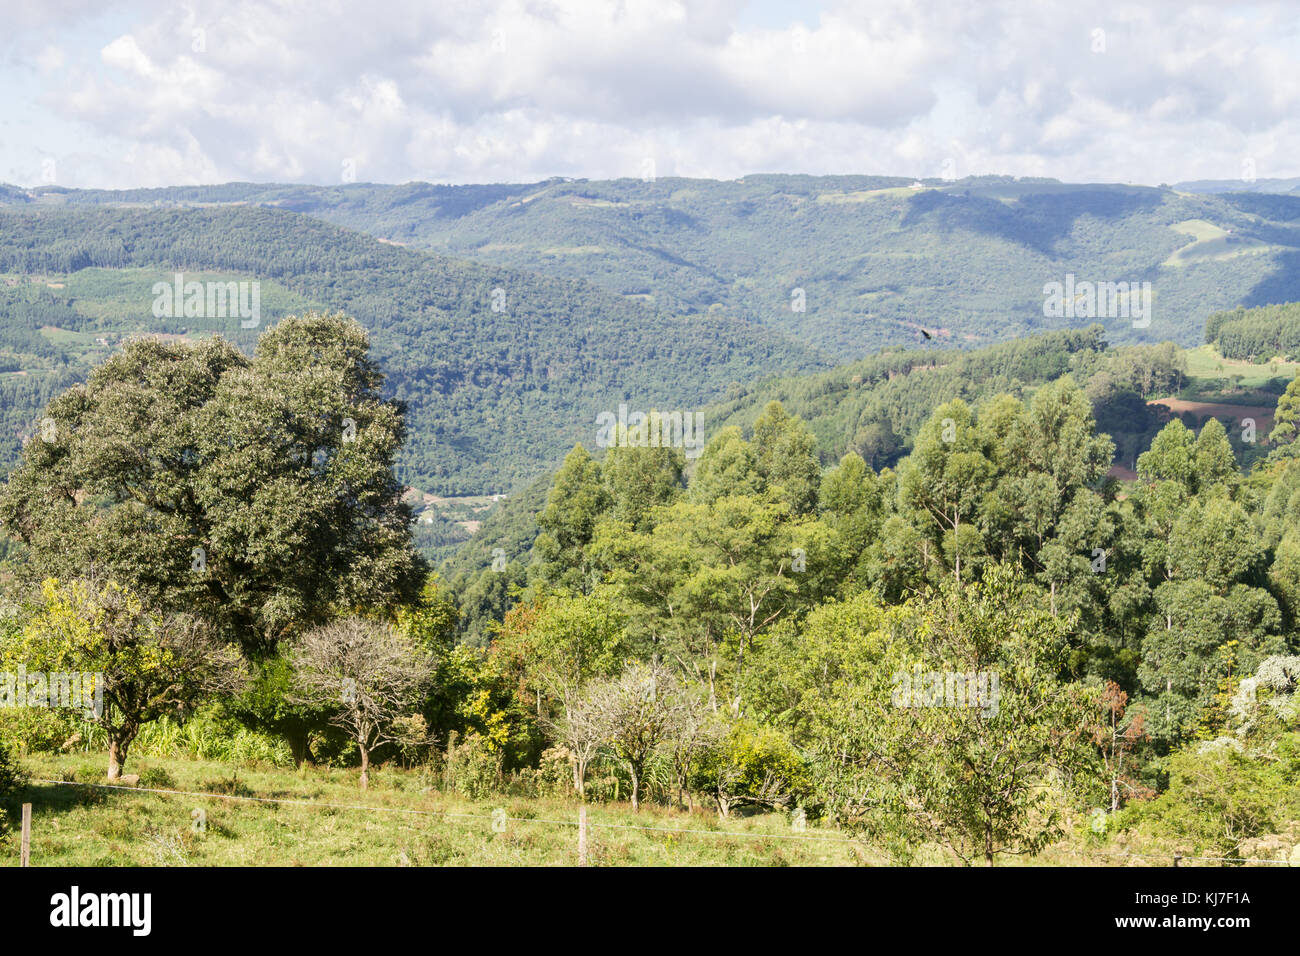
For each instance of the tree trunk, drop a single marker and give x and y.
(365, 768)
(636, 790)
(116, 757)
(299, 746)
(580, 778)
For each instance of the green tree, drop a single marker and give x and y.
(1286, 420)
(786, 456)
(257, 494)
(728, 466)
(152, 664)
(1171, 457)
(558, 645)
(1214, 462)
(941, 485)
(638, 479)
(947, 721)
(577, 499)
(852, 504)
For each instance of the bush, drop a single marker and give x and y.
(471, 768)
(156, 778)
(1221, 794)
(12, 780)
(37, 730)
(753, 765)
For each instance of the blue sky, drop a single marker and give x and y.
(144, 92)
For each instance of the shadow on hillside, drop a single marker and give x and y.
(1282, 284)
(1040, 222)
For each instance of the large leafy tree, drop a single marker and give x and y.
(710, 580)
(941, 484)
(638, 478)
(1211, 564)
(256, 493)
(973, 776)
(786, 456)
(578, 497)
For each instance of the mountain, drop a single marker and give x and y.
(501, 370)
(844, 264)
(1282, 187)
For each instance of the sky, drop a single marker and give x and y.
(150, 93)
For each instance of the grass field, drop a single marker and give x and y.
(1212, 243)
(408, 823)
(1205, 362)
(229, 814)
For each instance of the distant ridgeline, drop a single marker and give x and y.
(1257, 335)
(844, 264)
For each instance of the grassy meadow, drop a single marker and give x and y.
(409, 823)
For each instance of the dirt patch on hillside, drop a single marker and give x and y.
(1228, 414)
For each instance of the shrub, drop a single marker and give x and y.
(753, 765)
(156, 778)
(12, 780)
(471, 767)
(1221, 794)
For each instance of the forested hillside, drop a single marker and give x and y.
(874, 409)
(501, 370)
(875, 258)
(1256, 335)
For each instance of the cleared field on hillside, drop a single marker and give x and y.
(1205, 362)
(1212, 243)
(1262, 415)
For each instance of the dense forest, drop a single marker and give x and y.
(1258, 334)
(874, 409)
(501, 370)
(873, 258)
(961, 649)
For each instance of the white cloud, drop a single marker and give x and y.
(524, 89)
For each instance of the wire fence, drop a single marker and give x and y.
(498, 819)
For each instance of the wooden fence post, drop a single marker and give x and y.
(27, 835)
(582, 836)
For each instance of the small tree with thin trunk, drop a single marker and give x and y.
(152, 664)
(697, 730)
(641, 708)
(370, 676)
(583, 730)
